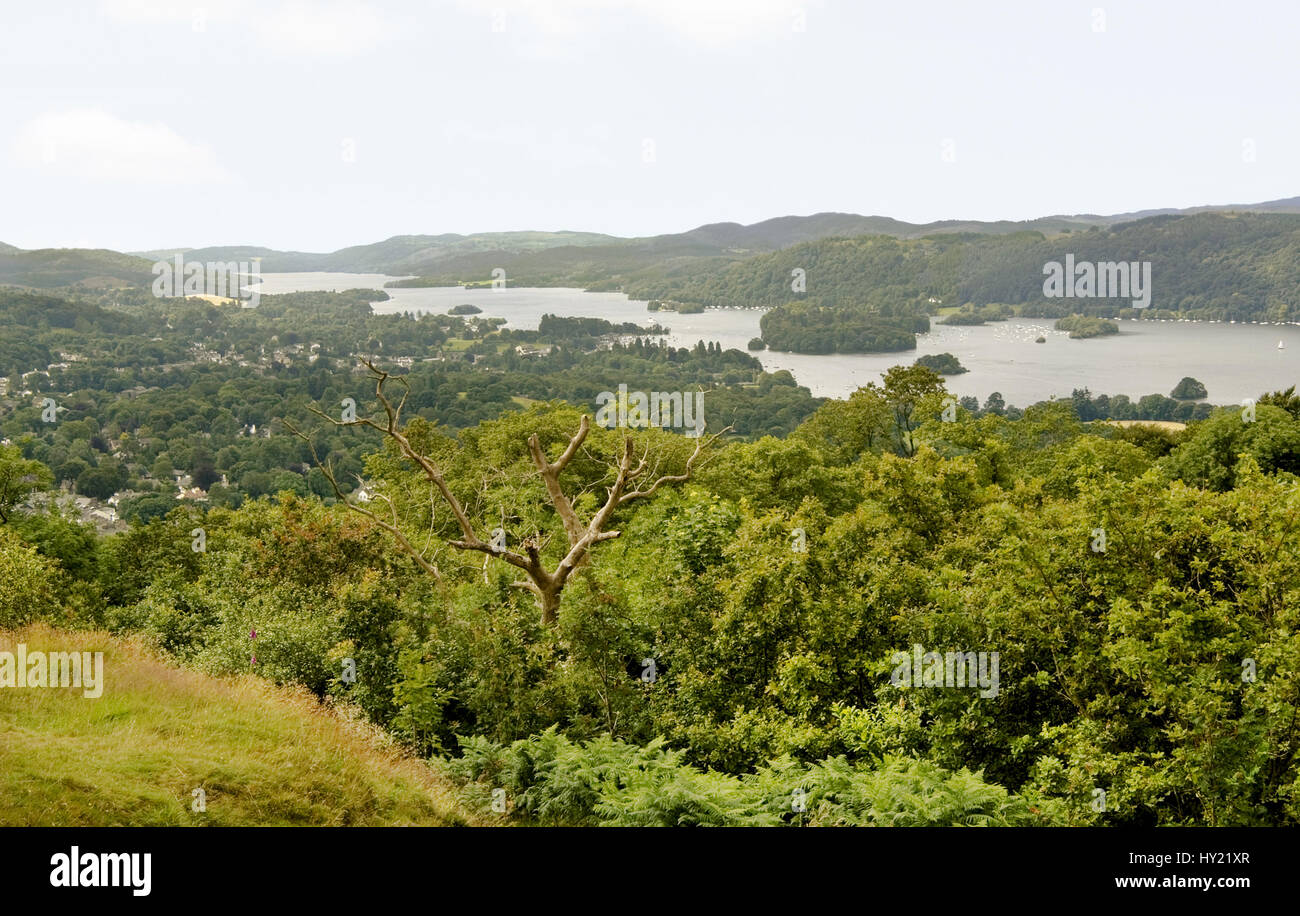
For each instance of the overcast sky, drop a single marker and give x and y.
(134, 124)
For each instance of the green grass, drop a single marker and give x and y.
(264, 755)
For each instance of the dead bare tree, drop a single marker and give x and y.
(547, 585)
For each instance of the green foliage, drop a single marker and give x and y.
(549, 779)
(1209, 456)
(1288, 400)
(19, 476)
(27, 583)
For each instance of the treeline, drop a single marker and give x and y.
(1087, 407)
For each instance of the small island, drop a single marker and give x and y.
(465, 309)
(942, 363)
(1189, 389)
(1082, 327)
(756, 343)
(810, 327)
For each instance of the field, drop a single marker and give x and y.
(1167, 425)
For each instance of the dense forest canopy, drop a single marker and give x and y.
(739, 638)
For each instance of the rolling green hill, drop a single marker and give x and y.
(57, 267)
(133, 757)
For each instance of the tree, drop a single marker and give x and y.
(162, 468)
(1083, 406)
(911, 392)
(547, 585)
(146, 508)
(204, 472)
(1209, 457)
(18, 477)
(101, 482)
(26, 582)
(1189, 389)
(846, 430)
(288, 480)
(1288, 400)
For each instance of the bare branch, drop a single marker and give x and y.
(550, 471)
(700, 444)
(546, 585)
(392, 528)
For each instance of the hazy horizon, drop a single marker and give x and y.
(361, 243)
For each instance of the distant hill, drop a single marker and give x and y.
(790, 230)
(1286, 205)
(547, 258)
(539, 258)
(399, 255)
(57, 267)
(1238, 266)
(227, 253)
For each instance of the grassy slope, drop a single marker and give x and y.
(264, 755)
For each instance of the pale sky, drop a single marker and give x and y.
(135, 124)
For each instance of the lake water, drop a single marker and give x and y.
(1147, 357)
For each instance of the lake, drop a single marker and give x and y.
(1235, 361)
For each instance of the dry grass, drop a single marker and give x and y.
(262, 754)
(1168, 425)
